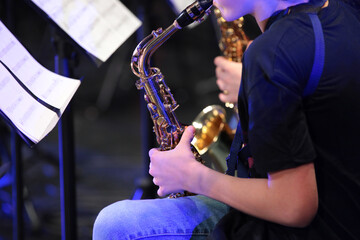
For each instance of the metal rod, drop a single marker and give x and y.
(17, 186)
(66, 150)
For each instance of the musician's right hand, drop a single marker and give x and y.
(173, 169)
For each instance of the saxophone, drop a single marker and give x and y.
(214, 129)
(233, 41)
(160, 101)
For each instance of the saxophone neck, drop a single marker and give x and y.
(140, 62)
(157, 38)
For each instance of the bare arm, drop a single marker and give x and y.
(287, 197)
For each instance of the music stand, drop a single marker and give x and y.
(144, 186)
(64, 63)
(17, 184)
(64, 46)
(16, 160)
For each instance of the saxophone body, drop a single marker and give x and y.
(160, 101)
(233, 40)
(232, 43)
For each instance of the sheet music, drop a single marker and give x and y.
(30, 117)
(99, 26)
(26, 113)
(52, 88)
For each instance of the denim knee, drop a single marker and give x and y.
(182, 218)
(109, 222)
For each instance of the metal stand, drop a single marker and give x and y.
(16, 160)
(17, 187)
(145, 188)
(67, 177)
(64, 55)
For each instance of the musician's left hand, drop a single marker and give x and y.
(228, 78)
(173, 169)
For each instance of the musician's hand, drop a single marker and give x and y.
(228, 76)
(172, 169)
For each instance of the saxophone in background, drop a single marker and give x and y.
(214, 129)
(233, 41)
(160, 101)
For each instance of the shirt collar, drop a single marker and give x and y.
(312, 6)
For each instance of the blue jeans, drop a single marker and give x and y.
(191, 217)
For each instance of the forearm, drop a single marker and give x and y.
(287, 197)
(270, 199)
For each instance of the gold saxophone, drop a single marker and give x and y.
(160, 101)
(214, 130)
(233, 41)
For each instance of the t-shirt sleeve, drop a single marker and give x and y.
(277, 131)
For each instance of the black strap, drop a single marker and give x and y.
(232, 160)
(319, 58)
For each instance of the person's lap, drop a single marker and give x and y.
(182, 218)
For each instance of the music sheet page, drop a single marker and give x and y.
(52, 88)
(27, 114)
(98, 26)
(21, 108)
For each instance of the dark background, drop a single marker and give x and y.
(108, 131)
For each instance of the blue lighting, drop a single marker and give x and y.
(5, 180)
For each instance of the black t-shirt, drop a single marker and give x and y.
(284, 130)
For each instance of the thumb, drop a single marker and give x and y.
(188, 135)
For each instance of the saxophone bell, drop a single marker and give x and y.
(213, 135)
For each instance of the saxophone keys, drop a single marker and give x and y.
(139, 84)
